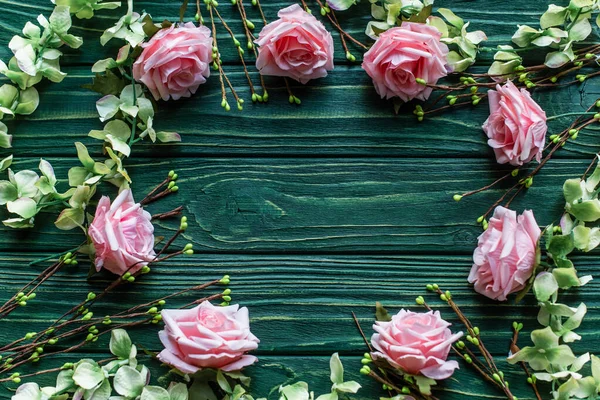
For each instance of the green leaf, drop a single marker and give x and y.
(340, 5)
(77, 176)
(439, 24)
(29, 99)
(556, 59)
(128, 382)
(296, 391)
(168, 137)
(64, 380)
(329, 396)
(28, 391)
(24, 207)
(554, 16)
(581, 236)
(336, 368)
(544, 286)
(81, 196)
(103, 65)
(572, 190)
(118, 129)
(347, 387)
(109, 83)
(149, 27)
(60, 19)
(499, 68)
(118, 145)
(566, 277)
(6, 162)
(574, 321)
(560, 246)
(544, 338)
(18, 223)
(88, 375)
(154, 393)
(223, 383)
(580, 30)
(5, 139)
(586, 211)
(595, 367)
(452, 18)
(70, 218)
(8, 95)
(108, 106)
(119, 164)
(102, 392)
(84, 156)
(381, 313)
(182, 10)
(200, 390)
(524, 35)
(424, 384)
(563, 263)
(120, 343)
(8, 192)
(178, 391)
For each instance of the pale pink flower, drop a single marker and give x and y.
(403, 54)
(122, 235)
(207, 336)
(296, 46)
(506, 254)
(416, 343)
(175, 61)
(516, 127)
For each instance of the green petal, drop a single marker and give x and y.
(24, 207)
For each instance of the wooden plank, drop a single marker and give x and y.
(298, 305)
(324, 124)
(271, 371)
(499, 26)
(318, 205)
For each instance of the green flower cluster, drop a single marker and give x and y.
(88, 380)
(560, 28)
(125, 376)
(37, 56)
(25, 193)
(550, 356)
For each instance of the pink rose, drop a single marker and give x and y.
(175, 61)
(416, 343)
(516, 127)
(403, 54)
(506, 254)
(297, 45)
(207, 336)
(122, 235)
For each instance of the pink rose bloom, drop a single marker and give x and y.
(416, 343)
(506, 254)
(516, 127)
(207, 336)
(297, 46)
(122, 235)
(175, 62)
(401, 55)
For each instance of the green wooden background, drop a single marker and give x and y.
(316, 211)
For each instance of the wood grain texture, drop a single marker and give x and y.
(298, 305)
(319, 205)
(360, 125)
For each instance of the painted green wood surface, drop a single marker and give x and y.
(316, 211)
